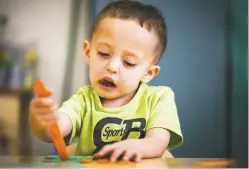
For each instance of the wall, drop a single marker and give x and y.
(239, 56)
(46, 24)
(194, 67)
(79, 69)
(206, 64)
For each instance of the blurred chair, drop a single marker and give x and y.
(4, 140)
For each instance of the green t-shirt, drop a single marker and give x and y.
(95, 126)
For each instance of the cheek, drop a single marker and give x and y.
(132, 77)
(96, 70)
(96, 66)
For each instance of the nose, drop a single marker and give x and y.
(113, 66)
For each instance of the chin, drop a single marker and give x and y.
(106, 95)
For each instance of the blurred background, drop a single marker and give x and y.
(205, 63)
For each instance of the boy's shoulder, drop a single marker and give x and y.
(157, 93)
(86, 89)
(158, 90)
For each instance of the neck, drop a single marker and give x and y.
(112, 103)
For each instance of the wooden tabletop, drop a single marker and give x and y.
(162, 163)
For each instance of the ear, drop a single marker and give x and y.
(151, 73)
(86, 48)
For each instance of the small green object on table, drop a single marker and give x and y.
(55, 158)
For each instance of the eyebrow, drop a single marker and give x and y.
(133, 54)
(103, 43)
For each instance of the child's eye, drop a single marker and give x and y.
(103, 54)
(129, 64)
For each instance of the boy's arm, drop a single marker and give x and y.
(42, 132)
(155, 143)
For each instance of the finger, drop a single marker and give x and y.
(49, 123)
(106, 150)
(47, 117)
(44, 110)
(138, 157)
(47, 120)
(128, 155)
(42, 102)
(46, 123)
(116, 154)
(97, 156)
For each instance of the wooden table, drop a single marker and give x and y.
(162, 163)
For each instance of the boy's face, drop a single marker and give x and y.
(120, 56)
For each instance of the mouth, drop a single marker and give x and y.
(107, 82)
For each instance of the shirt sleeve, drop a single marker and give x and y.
(164, 115)
(74, 109)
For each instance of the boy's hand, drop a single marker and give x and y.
(127, 149)
(136, 149)
(44, 110)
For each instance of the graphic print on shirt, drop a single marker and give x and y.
(111, 129)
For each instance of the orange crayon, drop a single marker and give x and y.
(42, 91)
